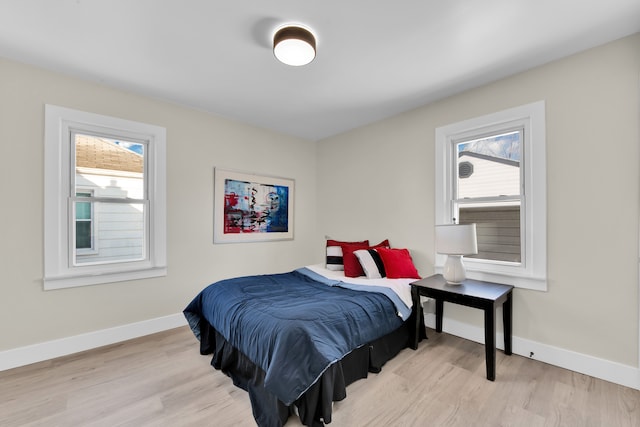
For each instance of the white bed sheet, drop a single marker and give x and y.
(402, 287)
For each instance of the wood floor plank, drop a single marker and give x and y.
(162, 380)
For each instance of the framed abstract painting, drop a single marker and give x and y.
(251, 208)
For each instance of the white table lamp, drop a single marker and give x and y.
(455, 241)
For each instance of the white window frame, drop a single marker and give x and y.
(531, 273)
(59, 240)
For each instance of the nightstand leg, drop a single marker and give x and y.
(415, 296)
(507, 314)
(490, 342)
(439, 310)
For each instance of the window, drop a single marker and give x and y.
(84, 224)
(491, 171)
(105, 205)
(488, 192)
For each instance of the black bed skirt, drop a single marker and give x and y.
(315, 405)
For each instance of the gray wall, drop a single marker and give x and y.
(377, 182)
(196, 142)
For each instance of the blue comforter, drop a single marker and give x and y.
(292, 326)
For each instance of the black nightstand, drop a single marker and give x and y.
(486, 296)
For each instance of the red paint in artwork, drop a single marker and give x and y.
(230, 200)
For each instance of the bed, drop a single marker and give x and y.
(295, 340)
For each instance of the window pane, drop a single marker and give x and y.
(497, 229)
(83, 235)
(119, 233)
(83, 210)
(109, 169)
(116, 168)
(489, 167)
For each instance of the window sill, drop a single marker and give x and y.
(518, 281)
(51, 283)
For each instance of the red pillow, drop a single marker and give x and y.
(352, 267)
(351, 264)
(398, 263)
(383, 244)
(334, 253)
(331, 242)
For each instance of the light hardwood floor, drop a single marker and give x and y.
(161, 380)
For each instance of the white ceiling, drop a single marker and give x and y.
(375, 58)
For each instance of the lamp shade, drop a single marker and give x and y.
(456, 239)
(294, 45)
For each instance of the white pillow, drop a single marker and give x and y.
(334, 258)
(371, 263)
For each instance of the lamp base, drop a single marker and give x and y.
(454, 272)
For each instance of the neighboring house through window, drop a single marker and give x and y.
(487, 191)
(105, 207)
(491, 171)
(113, 170)
(84, 223)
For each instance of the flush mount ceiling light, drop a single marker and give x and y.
(294, 45)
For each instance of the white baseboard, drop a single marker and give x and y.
(617, 373)
(628, 376)
(27, 355)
